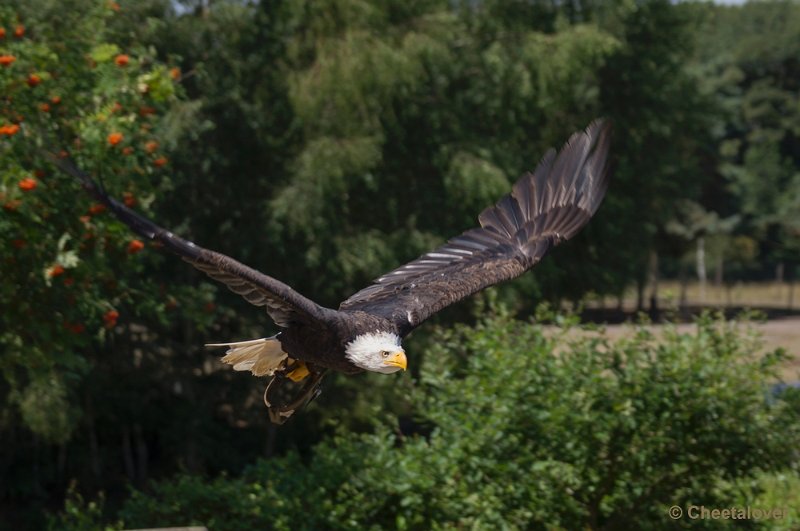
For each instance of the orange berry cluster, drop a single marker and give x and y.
(9, 130)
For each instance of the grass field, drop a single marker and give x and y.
(777, 295)
(784, 333)
(778, 332)
(754, 295)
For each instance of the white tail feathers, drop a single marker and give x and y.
(259, 356)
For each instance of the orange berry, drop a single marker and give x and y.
(113, 6)
(33, 80)
(55, 100)
(127, 150)
(146, 111)
(175, 73)
(44, 107)
(160, 161)
(116, 107)
(110, 318)
(39, 173)
(57, 270)
(76, 328)
(28, 184)
(115, 138)
(6, 60)
(135, 246)
(129, 199)
(122, 60)
(97, 208)
(2, 33)
(19, 31)
(151, 146)
(12, 205)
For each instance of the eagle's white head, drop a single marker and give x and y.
(377, 352)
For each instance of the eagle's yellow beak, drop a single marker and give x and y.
(397, 359)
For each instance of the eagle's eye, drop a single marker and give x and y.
(384, 353)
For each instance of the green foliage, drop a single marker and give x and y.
(76, 300)
(528, 426)
(755, 81)
(45, 409)
(80, 515)
(410, 118)
(768, 490)
(662, 116)
(66, 275)
(774, 489)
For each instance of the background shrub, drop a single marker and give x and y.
(519, 425)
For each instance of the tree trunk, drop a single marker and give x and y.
(61, 465)
(719, 271)
(640, 285)
(779, 273)
(653, 281)
(683, 278)
(36, 467)
(701, 267)
(790, 302)
(127, 454)
(141, 454)
(94, 447)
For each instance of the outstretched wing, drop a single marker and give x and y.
(284, 305)
(544, 208)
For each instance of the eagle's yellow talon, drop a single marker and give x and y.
(299, 372)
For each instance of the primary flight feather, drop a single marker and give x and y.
(544, 208)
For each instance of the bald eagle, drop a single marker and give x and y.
(544, 208)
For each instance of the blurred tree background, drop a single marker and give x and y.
(325, 142)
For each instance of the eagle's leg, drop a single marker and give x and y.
(299, 371)
(279, 413)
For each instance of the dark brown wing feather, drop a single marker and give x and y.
(544, 208)
(284, 305)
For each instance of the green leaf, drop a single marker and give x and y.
(104, 52)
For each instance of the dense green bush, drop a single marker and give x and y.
(527, 426)
(69, 87)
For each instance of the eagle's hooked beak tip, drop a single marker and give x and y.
(397, 359)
